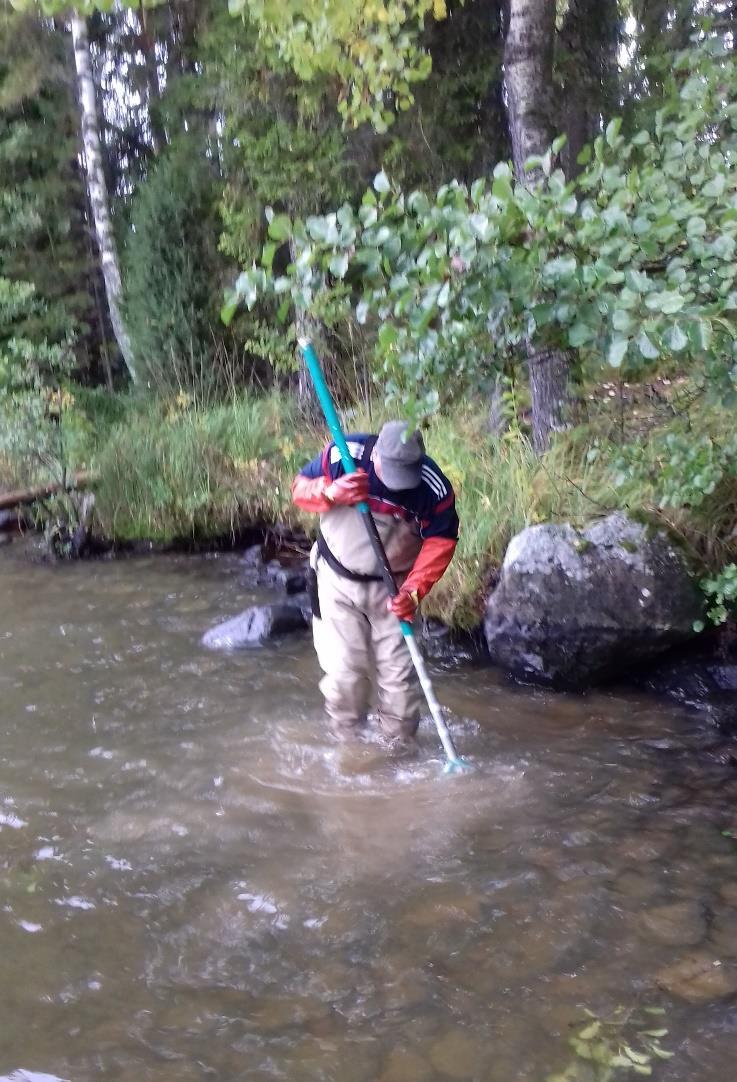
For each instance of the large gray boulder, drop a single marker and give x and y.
(576, 607)
(255, 626)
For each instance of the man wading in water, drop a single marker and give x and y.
(356, 627)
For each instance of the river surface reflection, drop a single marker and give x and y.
(197, 884)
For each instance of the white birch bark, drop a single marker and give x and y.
(528, 80)
(97, 187)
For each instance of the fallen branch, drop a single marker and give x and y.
(9, 500)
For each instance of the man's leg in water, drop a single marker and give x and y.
(399, 692)
(342, 639)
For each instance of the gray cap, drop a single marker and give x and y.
(401, 455)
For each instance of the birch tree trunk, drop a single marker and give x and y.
(97, 187)
(528, 79)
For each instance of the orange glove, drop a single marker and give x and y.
(349, 489)
(404, 605)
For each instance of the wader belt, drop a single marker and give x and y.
(334, 563)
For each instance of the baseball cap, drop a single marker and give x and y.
(401, 455)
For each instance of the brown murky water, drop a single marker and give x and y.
(196, 884)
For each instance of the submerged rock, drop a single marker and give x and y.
(255, 626)
(446, 644)
(291, 578)
(679, 924)
(576, 607)
(699, 978)
(704, 677)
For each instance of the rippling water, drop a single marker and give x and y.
(197, 884)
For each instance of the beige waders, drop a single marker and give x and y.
(358, 640)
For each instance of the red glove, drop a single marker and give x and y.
(349, 489)
(404, 605)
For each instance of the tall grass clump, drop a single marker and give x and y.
(174, 472)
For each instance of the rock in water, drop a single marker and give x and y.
(254, 626)
(575, 607)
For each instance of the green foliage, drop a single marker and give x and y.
(686, 467)
(42, 199)
(631, 262)
(171, 271)
(281, 143)
(721, 592)
(606, 1048)
(374, 48)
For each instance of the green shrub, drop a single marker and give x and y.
(171, 274)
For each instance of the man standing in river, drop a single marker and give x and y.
(356, 625)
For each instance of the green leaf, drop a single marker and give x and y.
(501, 188)
(612, 130)
(559, 142)
(666, 301)
(616, 352)
(579, 334)
(696, 226)
(362, 309)
(267, 255)
(675, 338)
(647, 348)
(698, 626)
(589, 1031)
(622, 320)
(228, 310)
(714, 187)
(533, 162)
(700, 335)
(280, 227)
(338, 265)
(381, 182)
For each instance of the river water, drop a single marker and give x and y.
(197, 884)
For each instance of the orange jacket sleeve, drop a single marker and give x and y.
(430, 565)
(308, 493)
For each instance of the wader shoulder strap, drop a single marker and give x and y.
(334, 563)
(368, 447)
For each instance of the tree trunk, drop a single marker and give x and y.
(549, 395)
(528, 78)
(98, 188)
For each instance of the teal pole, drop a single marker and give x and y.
(331, 416)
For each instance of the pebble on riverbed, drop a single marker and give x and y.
(699, 978)
(680, 924)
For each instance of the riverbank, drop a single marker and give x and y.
(176, 473)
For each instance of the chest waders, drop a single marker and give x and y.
(455, 762)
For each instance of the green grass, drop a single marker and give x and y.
(177, 473)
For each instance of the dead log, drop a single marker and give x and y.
(21, 496)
